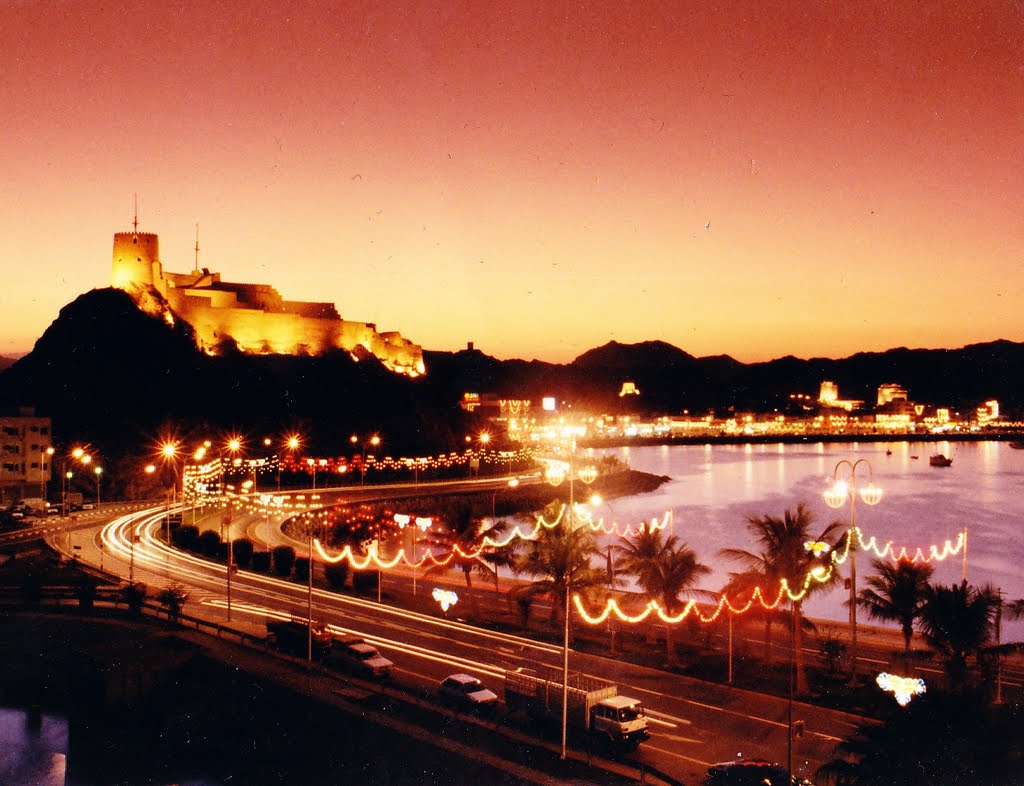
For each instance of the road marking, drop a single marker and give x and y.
(677, 738)
(828, 737)
(674, 720)
(680, 756)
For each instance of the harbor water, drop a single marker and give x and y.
(714, 489)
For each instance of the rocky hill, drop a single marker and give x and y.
(110, 374)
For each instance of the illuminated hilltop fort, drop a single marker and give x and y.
(253, 316)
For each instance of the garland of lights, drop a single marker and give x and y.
(310, 508)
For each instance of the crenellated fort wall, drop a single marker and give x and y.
(254, 316)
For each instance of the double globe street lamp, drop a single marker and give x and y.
(835, 497)
(422, 523)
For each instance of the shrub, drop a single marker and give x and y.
(209, 543)
(172, 599)
(832, 652)
(364, 581)
(261, 561)
(32, 586)
(336, 573)
(86, 592)
(185, 538)
(302, 569)
(243, 549)
(283, 559)
(135, 596)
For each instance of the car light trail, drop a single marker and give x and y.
(379, 641)
(153, 552)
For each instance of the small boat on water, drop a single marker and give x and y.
(939, 460)
(1017, 444)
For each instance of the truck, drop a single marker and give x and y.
(353, 654)
(293, 637)
(34, 506)
(594, 706)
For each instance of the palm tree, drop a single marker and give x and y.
(559, 560)
(739, 590)
(957, 621)
(896, 592)
(664, 569)
(462, 536)
(784, 555)
(173, 599)
(937, 738)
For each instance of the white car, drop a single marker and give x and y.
(466, 691)
(357, 656)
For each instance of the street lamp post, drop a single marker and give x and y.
(420, 522)
(131, 560)
(555, 476)
(596, 500)
(792, 680)
(309, 595)
(374, 441)
(380, 552)
(48, 452)
(835, 497)
(231, 552)
(292, 443)
(169, 451)
(79, 455)
(98, 471)
(512, 483)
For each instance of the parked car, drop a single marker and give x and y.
(356, 656)
(751, 772)
(296, 637)
(466, 691)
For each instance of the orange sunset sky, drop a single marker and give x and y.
(752, 179)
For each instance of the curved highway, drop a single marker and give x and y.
(693, 723)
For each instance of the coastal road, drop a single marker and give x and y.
(693, 723)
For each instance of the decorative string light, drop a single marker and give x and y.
(819, 573)
(342, 464)
(309, 507)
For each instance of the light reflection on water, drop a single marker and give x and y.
(33, 749)
(714, 489)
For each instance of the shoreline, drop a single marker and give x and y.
(794, 439)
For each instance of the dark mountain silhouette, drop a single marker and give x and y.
(671, 380)
(6, 362)
(109, 374)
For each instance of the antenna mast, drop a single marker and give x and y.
(197, 247)
(135, 222)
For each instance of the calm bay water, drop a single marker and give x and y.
(714, 489)
(33, 748)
